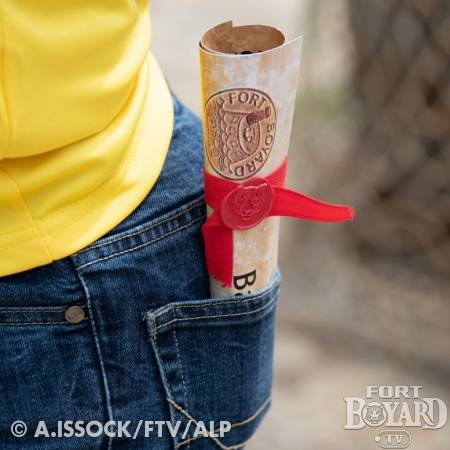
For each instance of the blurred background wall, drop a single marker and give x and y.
(366, 303)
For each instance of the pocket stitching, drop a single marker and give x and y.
(37, 309)
(154, 341)
(153, 328)
(186, 413)
(181, 367)
(18, 324)
(145, 244)
(14, 316)
(30, 310)
(241, 423)
(148, 228)
(213, 438)
(271, 302)
(227, 302)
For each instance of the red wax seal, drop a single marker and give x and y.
(247, 205)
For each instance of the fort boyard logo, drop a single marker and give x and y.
(395, 408)
(241, 126)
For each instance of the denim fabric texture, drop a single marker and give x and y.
(150, 344)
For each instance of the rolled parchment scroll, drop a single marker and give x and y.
(249, 79)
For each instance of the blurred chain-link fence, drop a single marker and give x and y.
(402, 74)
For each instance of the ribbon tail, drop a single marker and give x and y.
(294, 204)
(219, 249)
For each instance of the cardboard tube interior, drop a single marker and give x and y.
(241, 40)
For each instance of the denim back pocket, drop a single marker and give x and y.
(215, 357)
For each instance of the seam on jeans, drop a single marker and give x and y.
(27, 311)
(213, 438)
(99, 353)
(236, 424)
(181, 370)
(141, 245)
(154, 342)
(18, 324)
(227, 302)
(217, 315)
(150, 227)
(6, 310)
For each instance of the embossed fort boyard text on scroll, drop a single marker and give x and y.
(241, 127)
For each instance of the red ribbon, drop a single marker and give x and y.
(239, 206)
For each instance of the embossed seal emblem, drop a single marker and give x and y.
(248, 204)
(241, 126)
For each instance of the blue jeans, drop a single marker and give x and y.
(125, 330)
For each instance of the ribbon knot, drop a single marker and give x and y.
(240, 206)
